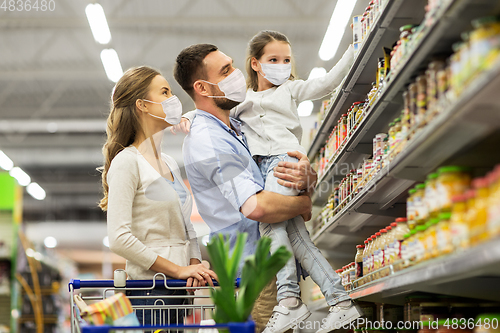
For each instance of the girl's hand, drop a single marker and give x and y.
(197, 272)
(183, 126)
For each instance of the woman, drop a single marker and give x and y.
(148, 206)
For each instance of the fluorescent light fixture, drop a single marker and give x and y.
(98, 23)
(50, 242)
(305, 108)
(36, 191)
(105, 241)
(111, 64)
(317, 72)
(22, 177)
(335, 31)
(5, 162)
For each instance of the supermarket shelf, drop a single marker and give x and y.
(451, 138)
(436, 40)
(358, 81)
(473, 273)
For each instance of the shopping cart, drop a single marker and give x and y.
(194, 312)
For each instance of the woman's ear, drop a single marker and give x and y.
(255, 64)
(140, 105)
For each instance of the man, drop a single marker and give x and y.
(227, 184)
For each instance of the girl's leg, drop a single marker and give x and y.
(314, 263)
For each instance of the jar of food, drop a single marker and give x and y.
(431, 195)
(380, 72)
(404, 38)
(368, 19)
(367, 168)
(413, 93)
(406, 117)
(442, 85)
(421, 213)
(363, 26)
(385, 156)
(459, 228)
(432, 87)
(443, 234)
(421, 100)
(478, 231)
(398, 137)
(358, 259)
(456, 69)
(465, 59)
(484, 42)
(410, 208)
(360, 180)
(451, 181)
(420, 246)
(360, 113)
(379, 146)
(431, 239)
(405, 252)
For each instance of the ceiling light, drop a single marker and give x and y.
(105, 241)
(305, 108)
(22, 177)
(317, 72)
(50, 242)
(111, 64)
(335, 31)
(98, 23)
(5, 162)
(36, 191)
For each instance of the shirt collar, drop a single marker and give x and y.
(234, 122)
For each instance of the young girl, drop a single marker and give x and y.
(148, 205)
(272, 129)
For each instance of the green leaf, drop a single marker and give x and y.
(258, 270)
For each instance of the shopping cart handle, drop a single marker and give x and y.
(77, 283)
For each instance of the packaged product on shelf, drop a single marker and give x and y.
(376, 254)
(431, 239)
(368, 22)
(397, 137)
(410, 208)
(413, 93)
(419, 204)
(444, 242)
(431, 195)
(405, 251)
(478, 230)
(421, 100)
(484, 42)
(432, 87)
(400, 229)
(420, 245)
(380, 72)
(352, 273)
(494, 204)
(412, 247)
(452, 180)
(358, 259)
(458, 224)
(356, 29)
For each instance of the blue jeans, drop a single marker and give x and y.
(158, 317)
(294, 236)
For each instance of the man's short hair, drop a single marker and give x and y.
(189, 65)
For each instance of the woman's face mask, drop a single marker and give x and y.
(172, 108)
(277, 74)
(233, 86)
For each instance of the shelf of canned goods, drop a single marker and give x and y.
(459, 127)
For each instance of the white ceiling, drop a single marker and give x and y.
(51, 78)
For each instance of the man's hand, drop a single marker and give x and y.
(184, 126)
(298, 175)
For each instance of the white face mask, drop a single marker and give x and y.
(172, 108)
(234, 86)
(277, 74)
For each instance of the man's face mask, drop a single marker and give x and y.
(234, 86)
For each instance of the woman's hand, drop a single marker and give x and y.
(184, 127)
(197, 275)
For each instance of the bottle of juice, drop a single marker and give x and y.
(366, 260)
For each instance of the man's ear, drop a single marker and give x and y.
(200, 88)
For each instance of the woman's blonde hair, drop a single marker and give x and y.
(256, 50)
(123, 120)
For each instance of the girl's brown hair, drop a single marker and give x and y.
(123, 120)
(256, 50)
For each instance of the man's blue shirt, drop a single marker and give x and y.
(222, 175)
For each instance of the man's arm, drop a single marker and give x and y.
(270, 207)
